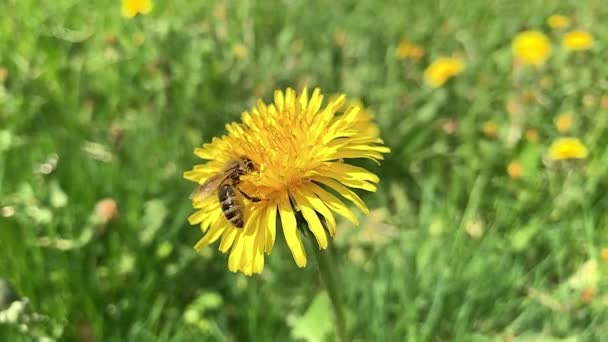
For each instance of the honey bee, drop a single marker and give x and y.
(226, 183)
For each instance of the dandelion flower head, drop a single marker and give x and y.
(131, 8)
(558, 21)
(564, 122)
(409, 50)
(441, 70)
(514, 169)
(577, 40)
(531, 47)
(300, 150)
(567, 148)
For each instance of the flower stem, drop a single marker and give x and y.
(327, 272)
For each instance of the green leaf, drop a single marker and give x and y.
(155, 213)
(316, 323)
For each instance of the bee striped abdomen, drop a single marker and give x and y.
(230, 205)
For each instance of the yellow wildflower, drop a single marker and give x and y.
(532, 47)
(490, 129)
(298, 151)
(564, 122)
(568, 148)
(131, 8)
(239, 50)
(557, 21)
(532, 135)
(441, 70)
(588, 295)
(514, 169)
(605, 254)
(577, 40)
(407, 49)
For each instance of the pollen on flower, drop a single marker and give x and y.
(300, 148)
(567, 148)
(131, 8)
(531, 47)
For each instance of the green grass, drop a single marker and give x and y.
(458, 249)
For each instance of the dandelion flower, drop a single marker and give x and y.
(564, 122)
(131, 8)
(300, 149)
(532, 135)
(490, 129)
(557, 21)
(441, 70)
(577, 40)
(567, 148)
(605, 254)
(239, 50)
(514, 169)
(532, 47)
(409, 50)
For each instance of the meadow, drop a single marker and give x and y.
(477, 232)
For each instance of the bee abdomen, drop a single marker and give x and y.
(230, 205)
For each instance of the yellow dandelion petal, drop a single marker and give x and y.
(270, 217)
(532, 47)
(441, 70)
(296, 149)
(290, 229)
(557, 21)
(317, 204)
(334, 203)
(131, 8)
(577, 40)
(311, 217)
(236, 253)
(228, 239)
(212, 235)
(567, 148)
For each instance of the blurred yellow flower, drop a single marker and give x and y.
(532, 47)
(490, 129)
(514, 169)
(605, 254)
(558, 21)
(297, 152)
(407, 49)
(532, 135)
(577, 40)
(442, 69)
(568, 148)
(564, 122)
(239, 50)
(131, 8)
(588, 295)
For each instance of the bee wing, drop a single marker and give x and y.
(206, 189)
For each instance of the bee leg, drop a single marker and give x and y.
(252, 199)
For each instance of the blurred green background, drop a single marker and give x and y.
(96, 107)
